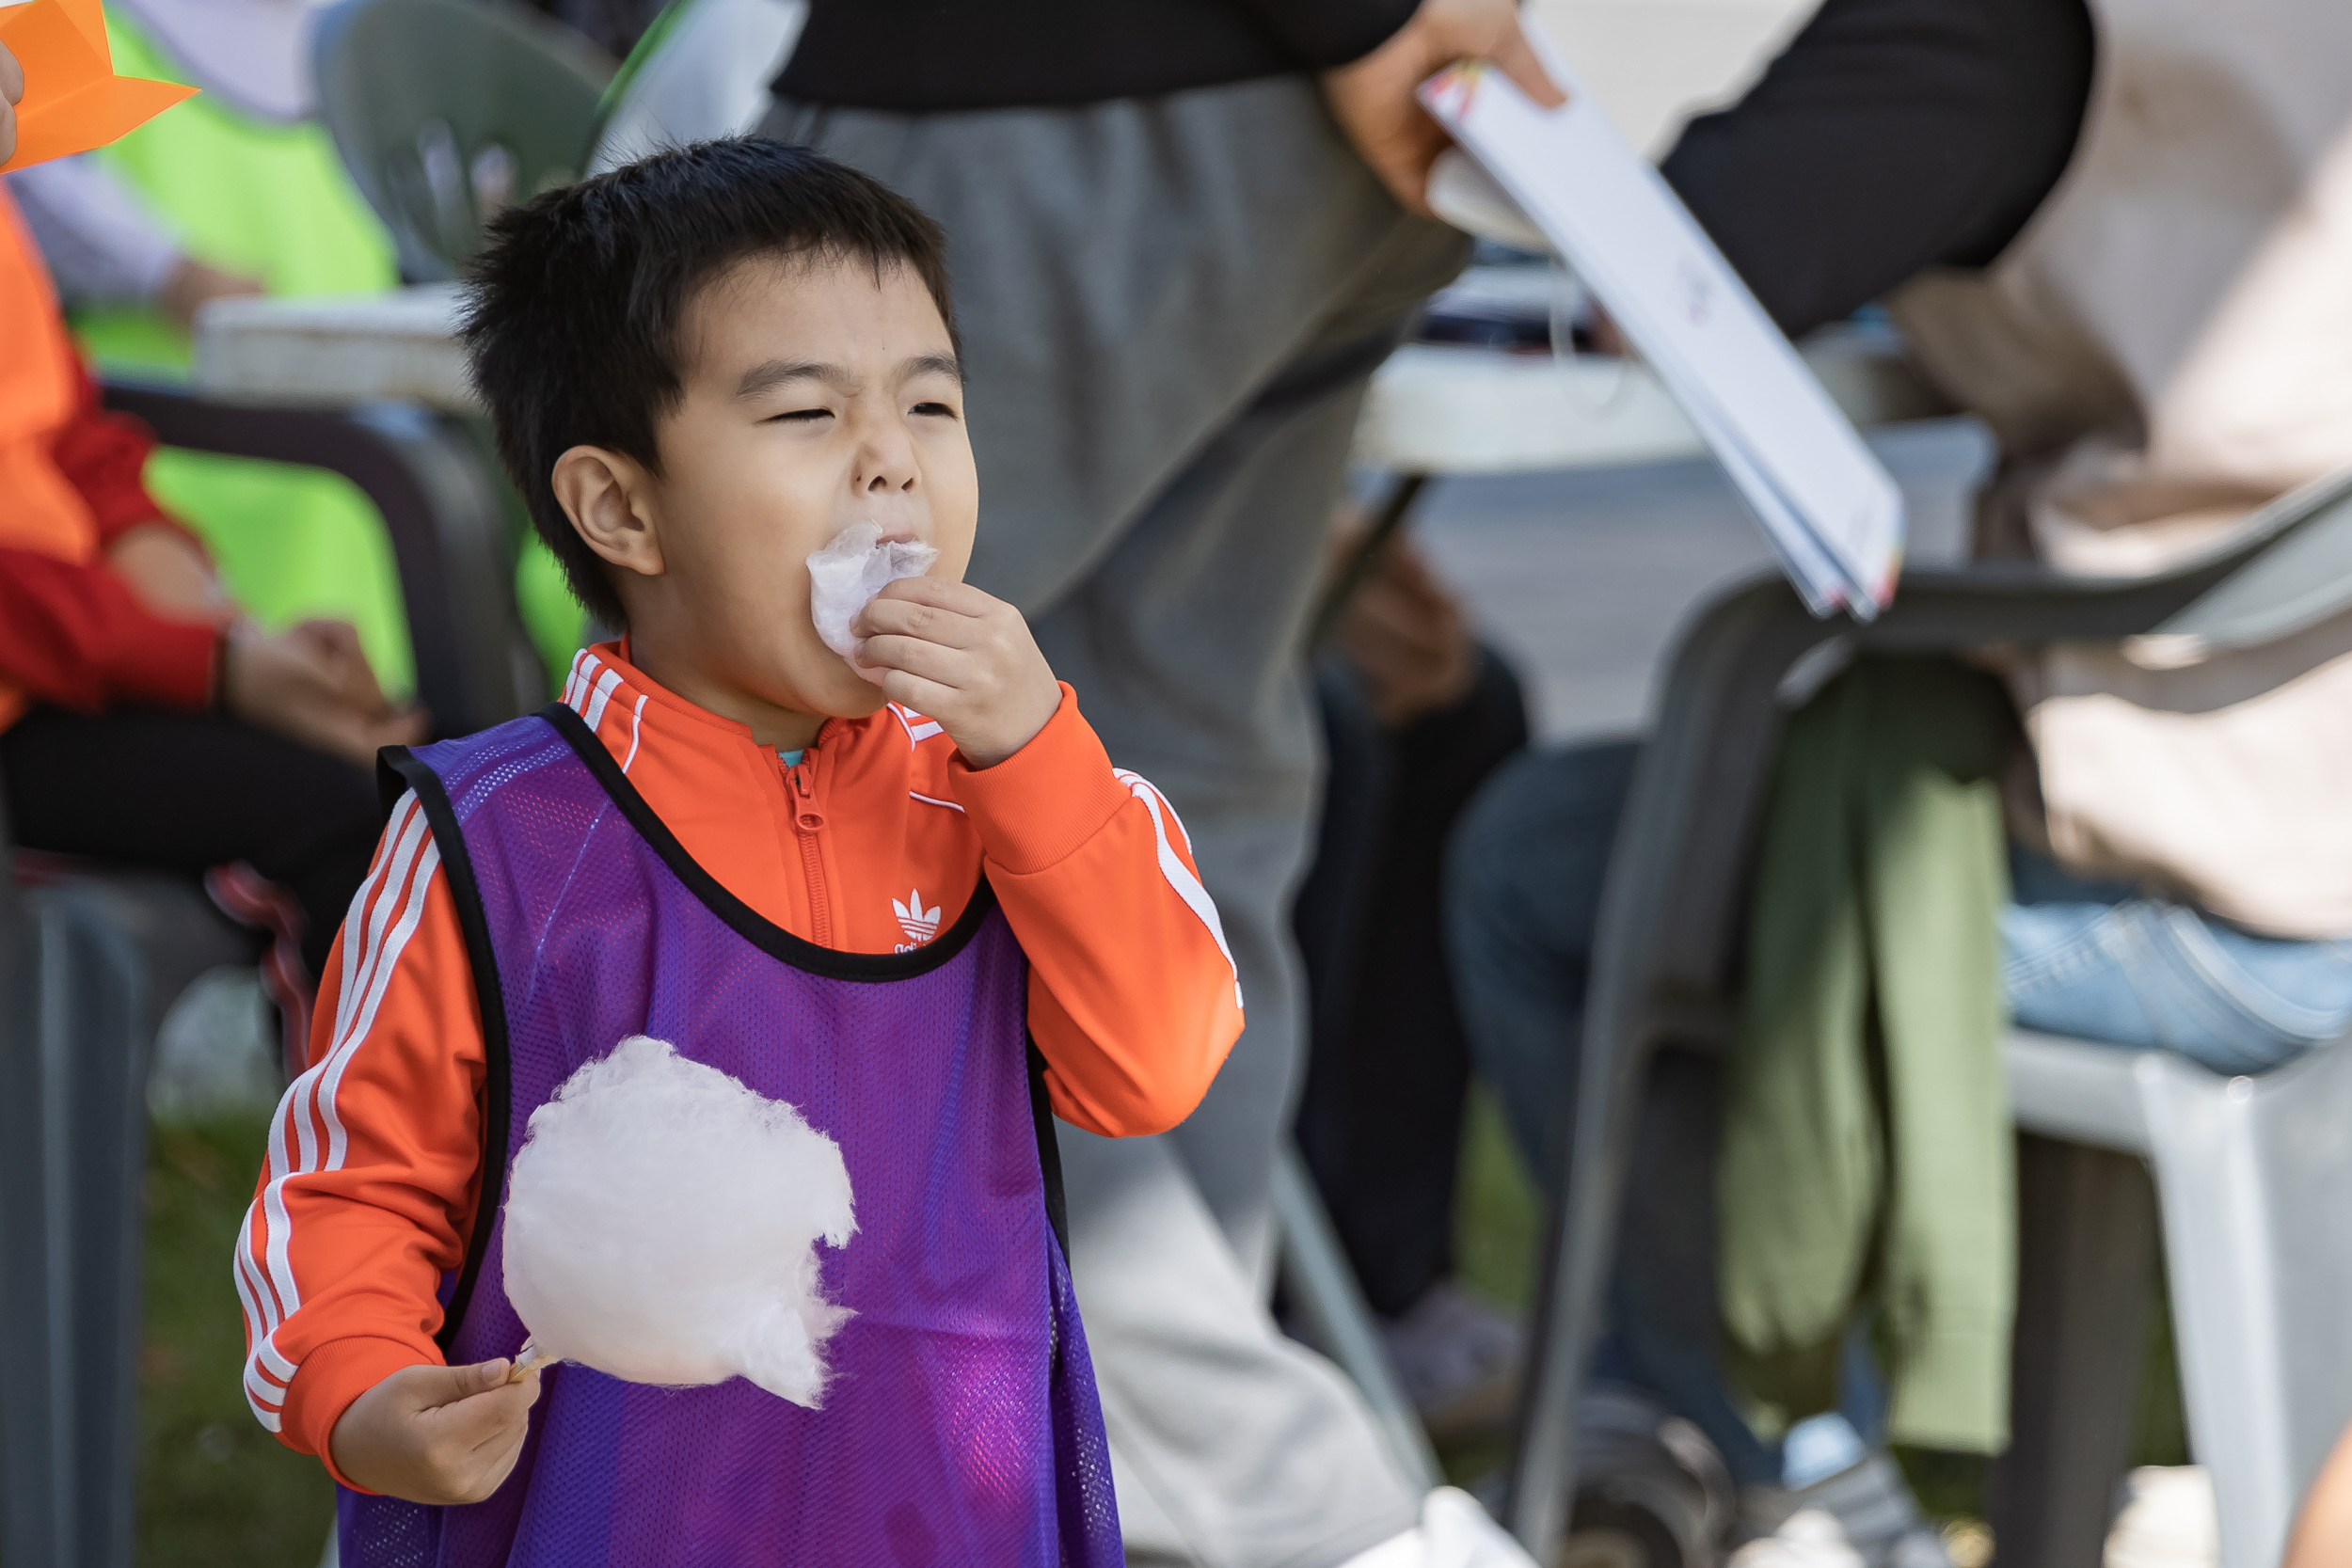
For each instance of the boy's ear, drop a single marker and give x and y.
(608, 496)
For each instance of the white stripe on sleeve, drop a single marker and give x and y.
(1172, 866)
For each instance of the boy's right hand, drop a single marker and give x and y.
(436, 1435)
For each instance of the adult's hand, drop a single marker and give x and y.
(11, 89)
(192, 285)
(1373, 99)
(311, 685)
(1408, 638)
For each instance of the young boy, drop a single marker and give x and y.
(861, 887)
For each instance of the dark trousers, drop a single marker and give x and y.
(1387, 1068)
(188, 792)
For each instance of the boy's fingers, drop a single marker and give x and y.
(924, 696)
(919, 614)
(476, 1427)
(436, 1388)
(946, 592)
(915, 657)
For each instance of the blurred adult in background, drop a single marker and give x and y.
(1188, 230)
(239, 191)
(1416, 713)
(143, 718)
(2165, 347)
(1889, 135)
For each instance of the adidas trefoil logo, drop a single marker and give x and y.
(919, 923)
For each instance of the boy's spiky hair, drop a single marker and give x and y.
(575, 310)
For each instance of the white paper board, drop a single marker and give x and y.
(1830, 508)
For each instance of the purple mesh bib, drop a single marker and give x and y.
(962, 1424)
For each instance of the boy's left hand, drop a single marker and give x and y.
(952, 653)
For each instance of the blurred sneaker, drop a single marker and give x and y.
(1861, 1490)
(1458, 1357)
(1453, 1533)
(2168, 1520)
(1809, 1538)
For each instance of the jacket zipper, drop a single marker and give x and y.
(808, 821)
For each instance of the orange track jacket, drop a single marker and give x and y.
(871, 844)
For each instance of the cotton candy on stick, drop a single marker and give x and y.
(846, 573)
(661, 1226)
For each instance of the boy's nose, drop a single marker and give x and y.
(886, 467)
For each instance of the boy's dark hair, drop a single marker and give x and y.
(572, 321)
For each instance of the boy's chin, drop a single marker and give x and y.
(849, 695)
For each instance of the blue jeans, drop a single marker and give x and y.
(2088, 960)
(2099, 961)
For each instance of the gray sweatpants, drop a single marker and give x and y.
(1169, 307)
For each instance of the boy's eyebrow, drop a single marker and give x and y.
(775, 372)
(932, 364)
(772, 373)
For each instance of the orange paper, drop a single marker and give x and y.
(74, 101)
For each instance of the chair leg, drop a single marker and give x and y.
(73, 1148)
(1324, 1292)
(1580, 1245)
(2086, 1260)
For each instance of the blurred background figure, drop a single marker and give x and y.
(2162, 349)
(239, 192)
(1416, 713)
(144, 719)
(1886, 137)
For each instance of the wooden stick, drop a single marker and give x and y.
(528, 1360)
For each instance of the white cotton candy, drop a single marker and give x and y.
(857, 565)
(661, 1226)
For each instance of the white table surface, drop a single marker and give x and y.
(333, 351)
(1431, 409)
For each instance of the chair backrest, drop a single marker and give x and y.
(447, 110)
(1667, 947)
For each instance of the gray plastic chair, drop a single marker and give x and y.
(1666, 976)
(92, 958)
(94, 961)
(446, 110)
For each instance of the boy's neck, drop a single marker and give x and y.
(779, 729)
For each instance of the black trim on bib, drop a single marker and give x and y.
(747, 923)
(398, 771)
(1048, 1149)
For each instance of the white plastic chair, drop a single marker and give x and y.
(2253, 1179)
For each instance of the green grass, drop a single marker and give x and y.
(1498, 1217)
(214, 1488)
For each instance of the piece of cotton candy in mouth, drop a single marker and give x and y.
(661, 1226)
(848, 572)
